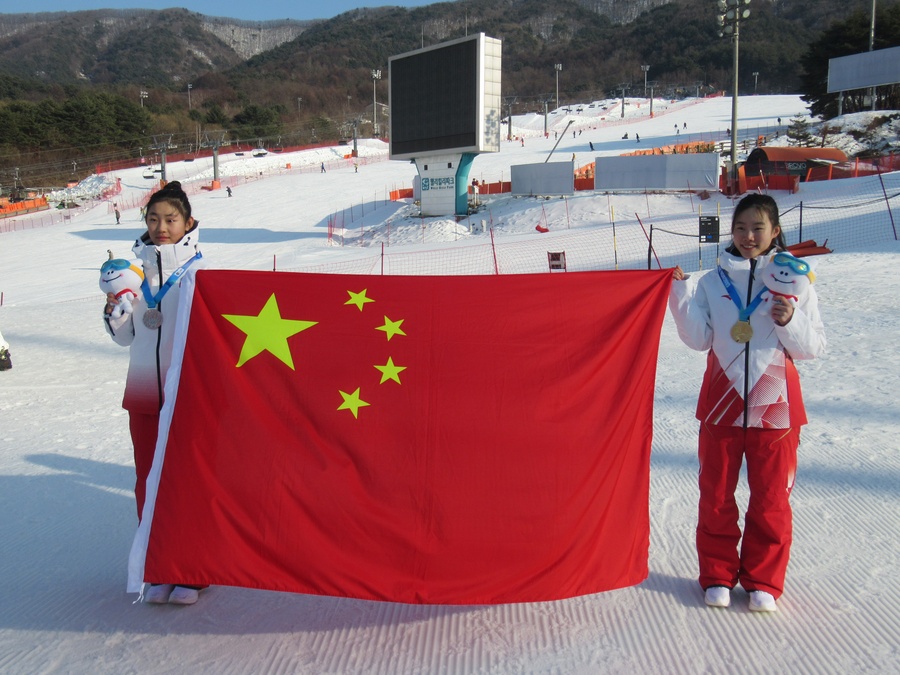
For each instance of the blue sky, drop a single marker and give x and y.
(251, 11)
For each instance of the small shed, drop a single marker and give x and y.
(779, 161)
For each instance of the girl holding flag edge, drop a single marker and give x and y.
(167, 250)
(750, 403)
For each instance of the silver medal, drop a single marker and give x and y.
(153, 318)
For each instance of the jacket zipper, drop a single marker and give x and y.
(747, 346)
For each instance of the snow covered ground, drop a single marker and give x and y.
(66, 471)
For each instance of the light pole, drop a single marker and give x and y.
(376, 75)
(557, 68)
(143, 96)
(645, 69)
(190, 86)
(871, 47)
(755, 80)
(731, 13)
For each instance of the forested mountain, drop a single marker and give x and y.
(178, 72)
(601, 43)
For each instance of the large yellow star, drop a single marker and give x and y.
(352, 402)
(392, 328)
(268, 332)
(389, 371)
(358, 299)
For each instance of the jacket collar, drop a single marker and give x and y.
(169, 256)
(144, 249)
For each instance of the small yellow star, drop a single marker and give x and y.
(389, 371)
(358, 299)
(391, 328)
(267, 332)
(352, 402)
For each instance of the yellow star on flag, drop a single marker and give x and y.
(267, 332)
(389, 371)
(358, 299)
(352, 402)
(391, 328)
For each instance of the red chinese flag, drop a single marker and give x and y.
(458, 440)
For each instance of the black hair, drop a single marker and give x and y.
(767, 206)
(171, 193)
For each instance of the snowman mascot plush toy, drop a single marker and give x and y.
(787, 276)
(122, 278)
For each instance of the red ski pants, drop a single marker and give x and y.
(765, 549)
(144, 428)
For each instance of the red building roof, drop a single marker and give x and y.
(779, 154)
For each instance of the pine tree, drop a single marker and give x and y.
(798, 131)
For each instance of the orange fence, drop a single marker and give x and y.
(692, 148)
(493, 188)
(8, 208)
(762, 183)
(855, 168)
(405, 193)
(497, 188)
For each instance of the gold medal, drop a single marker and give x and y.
(741, 332)
(152, 318)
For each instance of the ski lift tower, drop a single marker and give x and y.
(623, 87)
(215, 144)
(510, 101)
(162, 146)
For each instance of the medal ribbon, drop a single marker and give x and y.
(745, 312)
(154, 300)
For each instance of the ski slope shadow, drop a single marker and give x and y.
(68, 535)
(209, 235)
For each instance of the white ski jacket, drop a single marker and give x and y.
(752, 384)
(151, 349)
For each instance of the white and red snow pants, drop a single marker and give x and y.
(765, 548)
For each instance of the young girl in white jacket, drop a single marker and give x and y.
(167, 250)
(750, 403)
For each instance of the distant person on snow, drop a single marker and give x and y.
(750, 406)
(167, 250)
(228, 190)
(322, 166)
